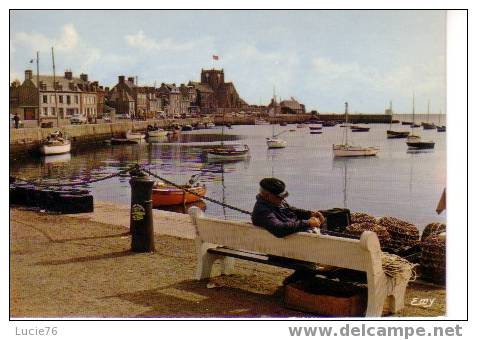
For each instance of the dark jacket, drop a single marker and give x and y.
(280, 220)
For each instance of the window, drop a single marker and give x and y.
(68, 100)
(61, 99)
(45, 99)
(53, 111)
(61, 111)
(45, 111)
(76, 100)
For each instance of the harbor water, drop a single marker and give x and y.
(398, 182)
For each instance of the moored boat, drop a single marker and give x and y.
(228, 151)
(397, 134)
(130, 135)
(283, 123)
(427, 126)
(419, 144)
(276, 143)
(300, 126)
(346, 150)
(315, 127)
(441, 128)
(157, 133)
(357, 128)
(261, 121)
(163, 195)
(187, 128)
(55, 144)
(406, 123)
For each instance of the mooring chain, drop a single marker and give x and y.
(72, 184)
(193, 193)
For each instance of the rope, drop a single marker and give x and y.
(41, 184)
(395, 266)
(193, 193)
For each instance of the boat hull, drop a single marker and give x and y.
(134, 136)
(397, 134)
(170, 196)
(441, 129)
(157, 133)
(276, 143)
(421, 145)
(427, 126)
(222, 153)
(353, 151)
(55, 149)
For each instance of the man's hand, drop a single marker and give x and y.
(314, 222)
(319, 216)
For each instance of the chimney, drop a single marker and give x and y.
(121, 79)
(84, 77)
(28, 74)
(131, 80)
(68, 75)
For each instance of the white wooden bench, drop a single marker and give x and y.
(361, 255)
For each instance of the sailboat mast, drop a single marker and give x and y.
(412, 126)
(391, 110)
(274, 111)
(428, 104)
(346, 123)
(54, 89)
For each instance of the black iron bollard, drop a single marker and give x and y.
(141, 225)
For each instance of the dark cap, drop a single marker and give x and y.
(274, 186)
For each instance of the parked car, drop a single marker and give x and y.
(77, 119)
(123, 116)
(107, 119)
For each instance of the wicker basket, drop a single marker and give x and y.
(326, 297)
(358, 228)
(433, 229)
(403, 234)
(360, 217)
(433, 259)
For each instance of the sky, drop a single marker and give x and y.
(321, 58)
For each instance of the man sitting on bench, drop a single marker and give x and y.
(273, 213)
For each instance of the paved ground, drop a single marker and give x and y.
(81, 266)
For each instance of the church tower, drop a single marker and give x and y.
(214, 78)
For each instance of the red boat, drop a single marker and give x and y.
(163, 195)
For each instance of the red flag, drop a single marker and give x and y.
(215, 57)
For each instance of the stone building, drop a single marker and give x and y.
(127, 97)
(214, 94)
(171, 99)
(290, 106)
(47, 97)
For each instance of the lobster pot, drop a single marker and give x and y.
(360, 217)
(358, 228)
(433, 229)
(433, 259)
(403, 234)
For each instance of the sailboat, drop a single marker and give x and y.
(414, 141)
(346, 150)
(427, 125)
(227, 151)
(274, 142)
(393, 133)
(440, 128)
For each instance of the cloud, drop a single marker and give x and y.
(141, 41)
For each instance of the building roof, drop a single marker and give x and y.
(291, 104)
(78, 84)
(121, 95)
(201, 87)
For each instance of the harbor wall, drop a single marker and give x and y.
(25, 140)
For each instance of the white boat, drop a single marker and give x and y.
(157, 133)
(300, 126)
(228, 151)
(260, 121)
(346, 150)
(276, 143)
(55, 146)
(134, 135)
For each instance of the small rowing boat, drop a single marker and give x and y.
(163, 195)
